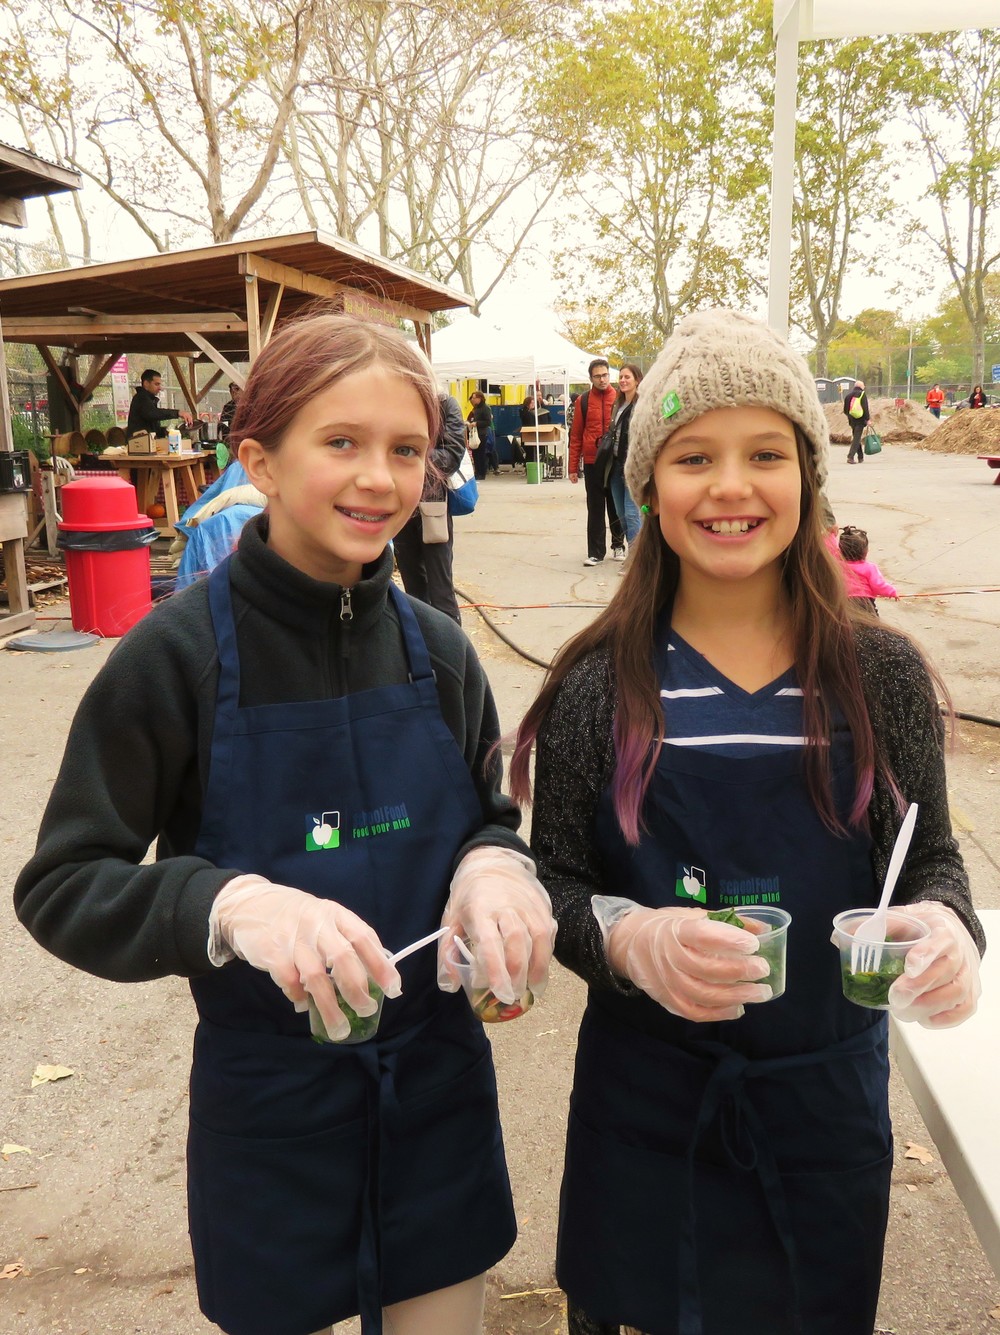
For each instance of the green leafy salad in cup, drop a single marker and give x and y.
(772, 949)
(362, 1026)
(871, 989)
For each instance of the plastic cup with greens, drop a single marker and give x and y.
(871, 988)
(484, 1001)
(364, 1027)
(770, 926)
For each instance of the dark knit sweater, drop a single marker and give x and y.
(575, 762)
(136, 761)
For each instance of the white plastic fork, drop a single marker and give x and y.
(417, 945)
(866, 948)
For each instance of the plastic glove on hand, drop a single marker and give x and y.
(940, 985)
(301, 941)
(693, 967)
(498, 904)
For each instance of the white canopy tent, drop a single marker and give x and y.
(469, 349)
(808, 20)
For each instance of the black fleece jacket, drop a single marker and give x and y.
(136, 761)
(145, 413)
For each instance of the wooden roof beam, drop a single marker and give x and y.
(54, 329)
(214, 355)
(363, 302)
(12, 211)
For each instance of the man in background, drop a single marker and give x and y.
(935, 398)
(229, 409)
(145, 413)
(591, 418)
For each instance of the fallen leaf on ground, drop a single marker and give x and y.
(82, 1271)
(994, 1315)
(7, 1150)
(45, 1074)
(12, 1271)
(918, 1152)
(909, 1186)
(164, 1288)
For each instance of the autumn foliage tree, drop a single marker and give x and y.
(659, 113)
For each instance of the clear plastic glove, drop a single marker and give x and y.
(301, 941)
(498, 903)
(693, 967)
(940, 986)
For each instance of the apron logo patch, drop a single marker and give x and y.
(322, 831)
(381, 820)
(690, 884)
(750, 890)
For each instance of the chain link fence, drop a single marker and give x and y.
(38, 409)
(19, 257)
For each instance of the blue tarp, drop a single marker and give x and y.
(211, 541)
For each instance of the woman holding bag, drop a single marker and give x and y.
(424, 546)
(481, 417)
(858, 415)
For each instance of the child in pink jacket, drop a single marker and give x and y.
(865, 582)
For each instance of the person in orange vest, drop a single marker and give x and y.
(935, 398)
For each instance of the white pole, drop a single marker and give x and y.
(909, 367)
(786, 75)
(539, 467)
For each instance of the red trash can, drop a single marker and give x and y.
(106, 541)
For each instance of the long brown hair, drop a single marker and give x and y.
(637, 374)
(826, 661)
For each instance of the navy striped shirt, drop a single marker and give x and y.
(704, 710)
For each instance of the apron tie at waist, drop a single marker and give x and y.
(379, 1063)
(748, 1148)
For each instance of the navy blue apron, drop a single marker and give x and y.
(733, 1177)
(328, 1180)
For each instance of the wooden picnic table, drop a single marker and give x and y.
(954, 1078)
(147, 471)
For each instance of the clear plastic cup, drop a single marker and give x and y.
(363, 1027)
(771, 929)
(483, 1000)
(902, 932)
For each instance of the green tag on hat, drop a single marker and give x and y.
(670, 404)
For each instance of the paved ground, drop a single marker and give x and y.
(95, 1212)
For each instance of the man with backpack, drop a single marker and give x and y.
(857, 414)
(591, 419)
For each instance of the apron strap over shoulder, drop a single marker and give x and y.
(220, 602)
(416, 649)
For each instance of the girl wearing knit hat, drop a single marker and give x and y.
(730, 734)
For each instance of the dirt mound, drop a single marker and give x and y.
(971, 431)
(908, 423)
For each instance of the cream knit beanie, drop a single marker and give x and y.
(721, 359)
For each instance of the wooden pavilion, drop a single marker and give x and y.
(217, 305)
(22, 176)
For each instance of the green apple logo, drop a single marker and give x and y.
(690, 884)
(322, 831)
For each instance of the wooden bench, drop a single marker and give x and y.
(955, 1082)
(994, 462)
